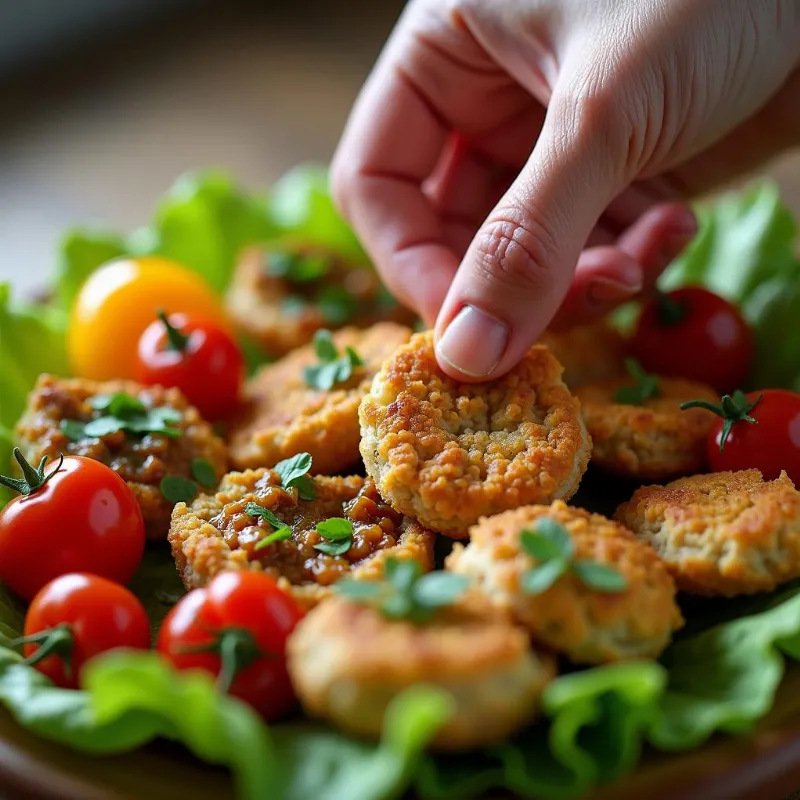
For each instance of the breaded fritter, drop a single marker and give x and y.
(447, 453)
(724, 534)
(587, 625)
(588, 353)
(652, 441)
(141, 460)
(283, 415)
(280, 313)
(216, 533)
(347, 663)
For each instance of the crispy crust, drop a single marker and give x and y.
(284, 416)
(586, 625)
(448, 453)
(142, 464)
(256, 302)
(201, 550)
(724, 534)
(589, 353)
(651, 442)
(347, 663)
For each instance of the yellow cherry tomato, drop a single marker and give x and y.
(119, 300)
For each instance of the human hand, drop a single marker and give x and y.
(494, 141)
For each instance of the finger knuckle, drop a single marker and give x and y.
(517, 255)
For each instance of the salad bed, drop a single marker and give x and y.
(720, 674)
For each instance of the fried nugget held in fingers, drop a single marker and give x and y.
(308, 401)
(580, 584)
(447, 453)
(723, 534)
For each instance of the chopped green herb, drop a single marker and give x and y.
(551, 546)
(120, 404)
(336, 305)
(339, 533)
(296, 267)
(123, 413)
(255, 510)
(279, 535)
(293, 472)
(332, 368)
(203, 472)
(178, 489)
(72, 429)
(405, 592)
(333, 548)
(644, 388)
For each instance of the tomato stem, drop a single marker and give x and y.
(670, 312)
(176, 340)
(237, 649)
(33, 478)
(731, 409)
(57, 641)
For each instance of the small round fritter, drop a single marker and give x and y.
(347, 663)
(141, 459)
(280, 296)
(654, 440)
(447, 453)
(588, 353)
(283, 415)
(723, 534)
(588, 625)
(218, 532)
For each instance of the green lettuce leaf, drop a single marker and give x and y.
(300, 205)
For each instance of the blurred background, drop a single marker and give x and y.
(105, 102)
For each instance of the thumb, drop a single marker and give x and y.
(520, 264)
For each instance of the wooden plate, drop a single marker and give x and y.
(764, 765)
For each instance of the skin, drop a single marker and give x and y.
(521, 162)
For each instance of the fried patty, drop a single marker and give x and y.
(347, 663)
(216, 533)
(654, 440)
(283, 415)
(724, 534)
(281, 314)
(588, 353)
(141, 460)
(587, 625)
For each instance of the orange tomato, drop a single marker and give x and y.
(119, 300)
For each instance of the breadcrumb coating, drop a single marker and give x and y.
(447, 453)
(347, 663)
(283, 415)
(586, 625)
(216, 533)
(727, 533)
(142, 461)
(588, 353)
(652, 441)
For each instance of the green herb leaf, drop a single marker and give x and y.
(359, 590)
(645, 386)
(255, 510)
(72, 429)
(178, 489)
(549, 539)
(540, 578)
(297, 267)
(336, 305)
(334, 548)
(282, 533)
(305, 488)
(332, 369)
(290, 469)
(203, 472)
(401, 606)
(602, 577)
(335, 528)
(439, 589)
(402, 574)
(324, 346)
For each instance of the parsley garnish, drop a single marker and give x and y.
(294, 472)
(122, 412)
(332, 368)
(297, 267)
(281, 530)
(339, 533)
(178, 489)
(203, 472)
(645, 386)
(283, 533)
(405, 593)
(550, 544)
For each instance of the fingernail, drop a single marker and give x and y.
(604, 290)
(473, 343)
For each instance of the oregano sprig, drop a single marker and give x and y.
(331, 368)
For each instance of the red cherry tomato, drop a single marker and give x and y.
(694, 334)
(236, 629)
(761, 431)
(76, 617)
(79, 517)
(199, 357)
